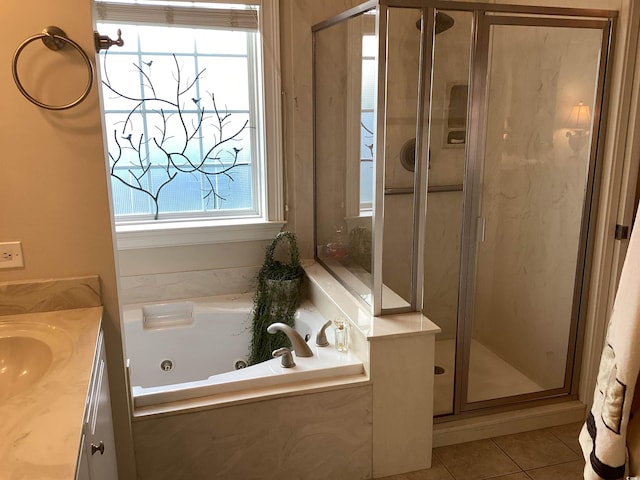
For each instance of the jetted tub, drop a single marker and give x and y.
(196, 348)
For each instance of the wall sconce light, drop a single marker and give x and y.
(578, 123)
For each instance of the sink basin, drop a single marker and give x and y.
(24, 360)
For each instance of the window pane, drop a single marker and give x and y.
(369, 46)
(222, 41)
(369, 70)
(234, 191)
(366, 183)
(126, 200)
(166, 39)
(228, 79)
(366, 134)
(178, 121)
(180, 195)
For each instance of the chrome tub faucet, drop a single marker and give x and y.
(298, 344)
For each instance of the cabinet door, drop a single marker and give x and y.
(101, 445)
(82, 471)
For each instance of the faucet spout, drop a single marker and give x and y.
(297, 342)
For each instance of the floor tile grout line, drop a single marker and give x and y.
(580, 457)
(579, 454)
(553, 465)
(500, 475)
(520, 468)
(444, 466)
(570, 447)
(507, 454)
(433, 453)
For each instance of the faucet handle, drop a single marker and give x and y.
(287, 358)
(321, 337)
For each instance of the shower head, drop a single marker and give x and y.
(443, 22)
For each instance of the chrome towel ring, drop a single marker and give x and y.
(54, 39)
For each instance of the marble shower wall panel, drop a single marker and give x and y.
(451, 58)
(442, 261)
(307, 437)
(403, 66)
(532, 197)
(398, 228)
(331, 130)
(403, 62)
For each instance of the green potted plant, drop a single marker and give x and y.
(277, 298)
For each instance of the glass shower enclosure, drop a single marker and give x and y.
(456, 150)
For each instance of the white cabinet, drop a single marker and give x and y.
(97, 458)
(82, 470)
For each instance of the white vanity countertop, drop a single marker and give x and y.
(41, 428)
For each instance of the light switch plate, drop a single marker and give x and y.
(11, 255)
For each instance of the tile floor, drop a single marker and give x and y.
(548, 454)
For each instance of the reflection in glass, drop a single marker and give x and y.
(443, 235)
(345, 69)
(403, 59)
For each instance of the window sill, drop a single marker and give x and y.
(194, 233)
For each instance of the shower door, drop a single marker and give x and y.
(534, 120)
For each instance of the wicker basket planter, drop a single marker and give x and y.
(276, 300)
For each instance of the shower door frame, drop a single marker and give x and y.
(484, 19)
(429, 9)
(482, 13)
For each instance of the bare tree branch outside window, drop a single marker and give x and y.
(176, 142)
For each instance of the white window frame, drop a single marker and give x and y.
(150, 234)
(357, 27)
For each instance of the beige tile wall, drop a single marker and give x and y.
(314, 436)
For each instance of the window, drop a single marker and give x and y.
(367, 114)
(186, 102)
(360, 118)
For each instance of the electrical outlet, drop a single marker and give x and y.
(11, 255)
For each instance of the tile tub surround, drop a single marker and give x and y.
(312, 436)
(398, 352)
(49, 295)
(364, 426)
(158, 287)
(40, 429)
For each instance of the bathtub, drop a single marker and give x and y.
(198, 348)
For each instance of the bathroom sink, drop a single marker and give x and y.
(24, 360)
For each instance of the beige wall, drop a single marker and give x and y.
(53, 185)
